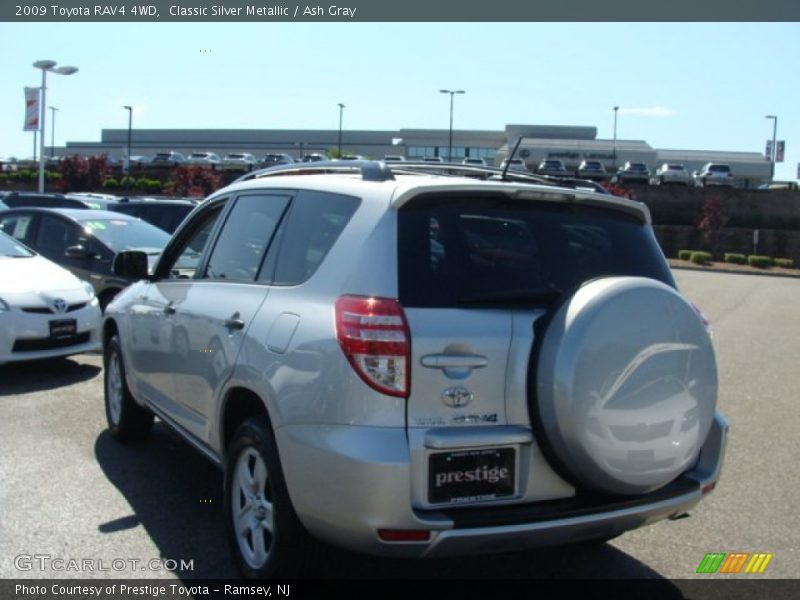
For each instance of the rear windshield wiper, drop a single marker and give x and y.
(541, 296)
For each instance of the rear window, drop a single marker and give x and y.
(719, 168)
(489, 250)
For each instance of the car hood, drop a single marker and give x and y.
(34, 273)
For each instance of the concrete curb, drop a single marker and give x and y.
(730, 272)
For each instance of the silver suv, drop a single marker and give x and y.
(419, 366)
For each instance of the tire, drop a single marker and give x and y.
(264, 532)
(127, 421)
(625, 386)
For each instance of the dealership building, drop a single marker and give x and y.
(570, 144)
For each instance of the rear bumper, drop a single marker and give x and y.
(346, 483)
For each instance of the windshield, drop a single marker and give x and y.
(126, 234)
(11, 248)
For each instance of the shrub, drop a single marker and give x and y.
(786, 263)
(3, 177)
(735, 259)
(760, 262)
(700, 258)
(110, 182)
(685, 254)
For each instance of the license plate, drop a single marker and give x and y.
(471, 475)
(63, 328)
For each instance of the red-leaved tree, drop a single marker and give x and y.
(194, 180)
(82, 174)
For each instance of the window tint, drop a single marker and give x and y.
(190, 253)
(311, 227)
(54, 236)
(16, 226)
(245, 236)
(453, 251)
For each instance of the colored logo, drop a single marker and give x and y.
(734, 563)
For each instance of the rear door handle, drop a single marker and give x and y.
(454, 361)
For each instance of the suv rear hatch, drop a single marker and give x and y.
(476, 271)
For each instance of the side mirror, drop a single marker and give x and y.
(78, 251)
(131, 264)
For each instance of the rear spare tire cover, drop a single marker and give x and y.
(626, 385)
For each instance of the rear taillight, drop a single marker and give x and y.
(374, 335)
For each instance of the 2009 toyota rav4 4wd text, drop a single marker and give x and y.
(407, 364)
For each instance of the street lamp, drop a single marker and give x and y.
(45, 66)
(774, 153)
(341, 109)
(614, 159)
(450, 144)
(128, 162)
(53, 110)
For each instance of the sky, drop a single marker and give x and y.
(694, 86)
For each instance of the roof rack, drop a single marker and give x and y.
(370, 170)
(373, 170)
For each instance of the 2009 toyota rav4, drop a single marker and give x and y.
(415, 365)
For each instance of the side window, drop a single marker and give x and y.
(54, 236)
(16, 226)
(246, 236)
(190, 254)
(308, 232)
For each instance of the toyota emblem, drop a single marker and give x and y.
(457, 397)
(59, 305)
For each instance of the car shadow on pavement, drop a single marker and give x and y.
(28, 376)
(176, 496)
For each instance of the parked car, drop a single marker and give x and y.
(633, 171)
(239, 161)
(352, 157)
(418, 365)
(474, 161)
(714, 174)
(313, 157)
(45, 311)
(45, 200)
(3, 205)
(204, 158)
(432, 159)
(591, 169)
(93, 200)
(553, 167)
(84, 241)
(274, 159)
(672, 173)
(167, 159)
(394, 158)
(164, 214)
(515, 163)
(137, 160)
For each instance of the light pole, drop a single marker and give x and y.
(774, 153)
(45, 66)
(450, 144)
(128, 162)
(341, 110)
(53, 110)
(614, 159)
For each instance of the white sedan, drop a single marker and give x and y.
(45, 311)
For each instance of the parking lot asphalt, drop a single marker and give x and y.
(67, 490)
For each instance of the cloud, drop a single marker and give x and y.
(648, 111)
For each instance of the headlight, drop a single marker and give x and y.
(89, 289)
(3, 306)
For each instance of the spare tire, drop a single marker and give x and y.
(625, 386)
